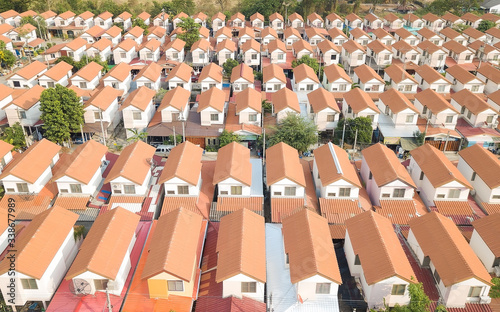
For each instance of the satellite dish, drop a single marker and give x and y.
(80, 287)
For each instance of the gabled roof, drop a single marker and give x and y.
(275, 16)
(385, 166)
(314, 16)
(434, 101)
(376, 244)
(248, 98)
(391, 17)
(430, 17)
(358, 33)
(488, 229)
(440, 239)
(472, 101)
(450, 17)
(291, 32)
(76, 44)
(136, 31)
(5, 28)
(396, 101)
(381, 33)
(359, 100)
(285, 98)
(450, 33)
(273, 71)
(490, 17)
(352, 17)
(226, 31)
(268, 31)
(333, 164)
(95, 31)
(437, 167)
(226, 44)
(307, 240)
(120, 71)
(9, 14)
(31, 70)
(220, 16)
(456, 47)
(48, 14)
(333, 16)
(5, 91)
(139, 98)
(336, 32)
(484, 163)
(30, 165)
(411, 17)
(58, 71)
(403, 46)
(477, 44)
(488, 71)
(133, 163)
(334, 72)
(283, 163)
(300, 45)
(182, 71)
(251, 44)
(200, 15)
(177, 44)
(174, 245)
(103, 98)
(159, 31)
(214, 98)
(396, 73)
(202, 44)
(320, 99)
(473, 33)
(303, 72)
(28, 98)
(470, 17)
(144, 16)
(213, 71)
(327, 45)
(178, 97)
(151, 71)
(66, 15)
(106, 244)
(295, 16)
(183, 162)
(352, 46)
(365, 73)
(82, 163)
(105, 15)
(429, 74)
(430, 47)
(403, 33)
(102, 44)
(241, 246)
(127, 45)
(233, 161)
(371, 17)
(151, 45)
(28, 13)
(242, 71)
(114, 31)
(427, 33)
(238, 15)
(124, 15)
(205, 32)
(256, 16)
(39, 242)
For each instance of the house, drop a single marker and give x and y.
(249, 107)
(491, 17)
(200, 18)
(353, 54)
(273, 78)
(223, 33)
(75, 48)
(485, 52)
(285, 102)
(237, 20)
(218, 21)
(93, 34)
(251, 53)
(158, 33)
(437, 179)
(383, 36)
(125, 19)
(461, 54)
(114, 34)
(276, 22)
(24, 34)
(53, 53)
(25, 108)
(180, 76)
(493, 100)
(149, 76)
(182, 173)
(145, 17)
(458, 273)
(291, 36)
(285, 177)
(210, 76)
(304, 79)
(490, 76)
(328, 52)
(431, 54)
(353, 21)
(174, 50)
(269, 34)
(8, 43)
(80, 173)
(226, 49)
(161, 20)
(174, 103)
(492, 36)
(427, 34)
(138, 109)
(27, 77)
(101, 48)
(474, 110)
(233, 171)
(438, 111)
(451, 19)
(368, 79)
(360, 36)
(241, 255)
(211, 106)
(483, 241)
(8, 17)
(473, 34)
(49, 17)
(242, 78)
(336, 79)
(200, 51)
(314, 20)
(412, 21)
(381, 54)
(393, 22)
(276, 49)
(450, 34)
(463, 79)
(51, 230)
(314, 35)
(125, 51)
(257, 20)
(403, 34)
(398, 108)
(105, 20)
(337, 36)
(131, 173)
(433, 22)
(6, 97)
(64, 19)
(334, 21)
(295, 20)
(119, 77)
(106, 271)
(372, 21)
(88, 77)
(136, 34)
(150, 51)
(324, 109)
(386, 281)
(400, 79)
(471, 20)
(58, 74)
(30, 170)
(429, 78)
(103, 107)
(357, 103)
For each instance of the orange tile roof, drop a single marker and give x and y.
(171, 203)
(66, 15)
(327, 158)
(366, 73)
(336, 32)
(226, 31)
(454, 208)
(385, 166)
(491, 208)
(283, 163)
(337, 211)
(472, 101)
(9, 14)
(333, 16)
(275, 16)
(30, 165)
(202, 44)
(246, 31)
(453, 258)
(429, 74)
(219, 15)
(177, 44)
(72, 202)
(106, 244)
(358, 33)
(184, 162)
(484, 163)
(295, 16)
(337, 231)
(285, 98)
(401, 211)
(291, 32)
(487, 70)
(104, 98)
(182, 71)
(82, 164)
(352, 46)
(105, 15)
(173, 245)
(313, 16)
(396, 73)
(127, 45)
(268, 31)
(450, 17)
(352, 17)
(159, 31)
(303, 72)
(4, 146)
(226, 44)
(48, 14)
(403, 33)
(114, 31)
(214, 98)
(27, 207)
(89, 71)
(102, 44)
(231, 204)
(376, 244)
(434, 101)
(120, 71)
(430, 17)
(456, 47)
(248, 98)
(178, 98)
(411, 17)
(251, 44)
(140, 98)
(429, 47)
(136, 31)
(124, 15)
(396, 100)
(327, 45)
(359, 100)
(58, 71)
(31, 70)
(241, 246)
(151, 71)
(76, 44)
(28, 98)
(273, 71)
(300, 45)
(306, 236)
(40, 241)
(242, 71)
(334, 72)
(313, 31)
(144, 16)
(233, 161)
(132, 164)
(213, 71)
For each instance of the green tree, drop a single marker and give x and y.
(484, 25)
(362, 124)
(228, 66)
(137, 135)
(419, 302)
(96, 59)
(14, 135)
(356, 6)
(419, 137)
(67, 59)
(441, 308)
(264, 7)
(140, 23)
(191, 31)
(7, 58)
(227, 137)
(495, 289)
(39, 23)
(460, 27)
(160, 94)
(309, 61)
(298, 132)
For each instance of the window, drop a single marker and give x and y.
(440, 196)
(50, 84)
(331, 194)
(462, 110)
(280, 56)
(236, 190)
(424, 110)
(123, 55)
(357, 261)
(149, 55)
(323, 288)
(277, 87)
(344, 192)
(129, 189)
(290, 191)
(182, 189)
(398, 290)
(148, 85)
(83, 85)
(454, 193)
(422, 175)
(22, 114)
(277, 193)
(17, 84)
(475, 291)
(409, 118)
(489, 119)
(474, 88)
(440, 88)
(75, 188)
(175, 286)
(473, 178)
(248, 287)
(467, 57)
(370, 176)
(175, 55)
(97, 115)
(252, 117)
(214, 117)
(29, 283)
(449, 119)
(101, 284)
(349, 110)
(170, 192)
(22, 187)
(436, 276)
(387, 57)
(71, 54)
(309, 87)
(202, 55)
(441, 57)
(342, 87)
(398, 193)
(115, 85)
(223, 192)
(254, 56)
(360, 57)
(330, 117)
(228, 55)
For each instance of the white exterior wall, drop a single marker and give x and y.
(171, 185)
(334, 187)
(478, 120)
(91, 85)
(140, 190)
(208, 82)
(104, 24)
(306, 289)
(320, 119)
(241, 84)
(271, 83)
(10, 182)
(44, 80)
(247, 58)
(143, 55)
(87, 189)
(114, 40)
(137, 40)
(175, 81)
(142, 81)
(109, 115)
(336, 85)
(221, 56)
(217, 24)
(284, 113)
(122, 85)
(206, 119)
(225, 186)
(483, 192)
(170, 53)
(302, 85)
(243, 117)
(129, 55)
(24, 83)
(490, 85)
(104, 54)
(275, 57)
(146, 116)
(32, 115)
(166, 113)
(232, 287)
(327, 57)
(351, 59)
(482, 251)
(196, 57)
(279, 186)
(277, 24)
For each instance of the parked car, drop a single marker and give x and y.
(163, 150)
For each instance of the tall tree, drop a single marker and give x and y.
(309, 61)
(191, 31)
(362, 124)
(7, 58)
(228, 66)
(39, 23)
(14, 135)
(298, 132)
(484, 25)
(227, 137)
(140, 23)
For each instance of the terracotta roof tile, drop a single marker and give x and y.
(334, 72)
(233, 161)
(434, 101)
(285, 98)
(313, 31)
(484, 163)
(182, 71)
(472, 101)
(295, 16)
(151, 71)
(66, 15)
(48, 14)
(428, 46)
(327, 45)
(358, 33)
(456, 47)
(214, 98)
(337, 211)
(320, 99)
(488, 71)
(124, 15)
(226, 31)
(102, 44)
(391, 17)
(144, 16)
(103, 98)
(176, 44)
(28, 98)
(132, 164)
(202, 44)
(177, 97)
(95, 31)
(72, 202)
(488, 229)
(136, 31)
(450, 17)
(430, 17)
(246, 31)
(127, 45)
(139, 98)
(8, 14)
(242, 71)
(184, 162)
(473, 33)
(291, 32)
(89, 71)
(251, 44)
(273, 71)
(120, 71)
(429, 74)
(213, 71)
(327, 158)
(411, 17)
(314, 16)
(31, 70)
(396, 100)
(226, 44)
(283, 163)
(248, 98)
(159, 31)
(219, 15)
(300, 45)
(352, 17)
(58, 71)
(359, 100)
(105, 15)
(337, 231)
(114, 31)
(352, 46)
(231, 204)
(401, 211)
(268, 31)
(333, 16)
(365, 73)
(403, 33)
(303, 72)
(275, 16)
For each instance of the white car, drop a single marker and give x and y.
(163, 150)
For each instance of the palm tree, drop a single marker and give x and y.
(137, 135)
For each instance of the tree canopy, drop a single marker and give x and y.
(228, 66)
(191, 31)
(39, 23)
(495, 289)
(298, 132)
(309, 61)
(484, 25)
(227, 137)
(362, 124)
(7, 58)
(14, 135)
(419, 302)
(140, 23)
(174, 7)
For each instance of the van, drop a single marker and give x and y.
(163, 150)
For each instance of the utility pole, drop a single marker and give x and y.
(343, 134)
(446, 143)
(108, 301)
(175, 138)
(102, 127)
(355, 139)
(81, 131)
